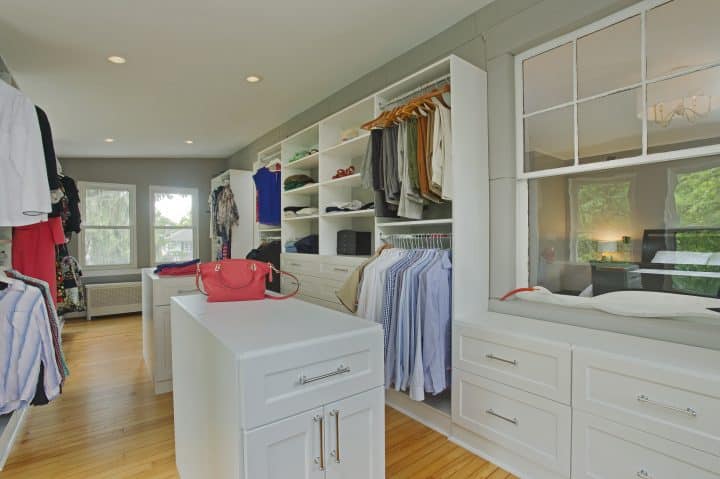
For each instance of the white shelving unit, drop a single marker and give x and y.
(467, 217)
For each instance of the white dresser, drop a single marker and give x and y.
(276, 390)
(156, 294)
(550, 401)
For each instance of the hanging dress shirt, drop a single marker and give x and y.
(25, 330)
(24, 193)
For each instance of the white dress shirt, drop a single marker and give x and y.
(24, 190)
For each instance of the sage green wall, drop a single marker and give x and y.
(488, 38)
(179, 172)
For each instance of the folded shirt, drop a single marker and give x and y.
(354, 205)
(184, 265)
(307, 212)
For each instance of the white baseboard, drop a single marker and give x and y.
(421, 412)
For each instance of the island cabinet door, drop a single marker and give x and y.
(292, 448)
(356, 436)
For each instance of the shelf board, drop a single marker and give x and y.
(274, 229)
(302, 218)
(350, 149)
(304, 190)
(307, 163)
(351, 181)
(402, 224)
(351, 214)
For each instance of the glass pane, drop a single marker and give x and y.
(107, 207)
(653, 227)
(548, 79)
(684, 112)
(610, 127)
(550, 140)
(107, 247)
(172, 209)
(173, 245)
(682, 34)
(600, 72)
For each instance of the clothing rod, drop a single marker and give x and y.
(436, 82)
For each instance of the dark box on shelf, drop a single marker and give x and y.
(354, 243)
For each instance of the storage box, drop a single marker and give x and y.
(351, 242)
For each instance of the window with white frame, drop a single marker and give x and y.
(173, 217)
(618, 166)
(108, 239)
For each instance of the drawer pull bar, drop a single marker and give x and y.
(643, 474)
(502, 360)
(188, 291)
(341, 270)
(321, 459)
(500, 416)
(689, 411)
(336, 452)
(340, 370)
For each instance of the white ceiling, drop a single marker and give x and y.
(187, 61)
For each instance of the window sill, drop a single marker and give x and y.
(692, 332)
(97, 273)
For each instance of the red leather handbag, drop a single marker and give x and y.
(238, 280)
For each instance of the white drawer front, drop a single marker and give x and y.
(606, 450)
(166, 288)
(331, 370)
(537, 366)
(675, 404)
(314, 287)
(300, 264)
(336, 270)
(535, 428)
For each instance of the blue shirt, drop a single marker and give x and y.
(267, 184)
(435, 308)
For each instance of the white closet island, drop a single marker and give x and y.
(276, 390)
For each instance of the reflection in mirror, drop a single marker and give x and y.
(684, 112)
(609, 127)
(652, 227)
(548, 79)
(682, 34)
(550, 140)
(609, 58)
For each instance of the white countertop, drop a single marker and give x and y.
(254, 327)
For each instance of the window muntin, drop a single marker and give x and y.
(174, 224)
(632, 37)
(108, 237)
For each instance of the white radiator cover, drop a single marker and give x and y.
(113, 298)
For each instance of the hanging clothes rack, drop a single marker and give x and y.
(419, 240)
(422, 89)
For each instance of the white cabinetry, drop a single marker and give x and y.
(640, 408)
(156, 294)
(276, 389)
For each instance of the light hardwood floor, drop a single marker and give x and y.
(109, 424)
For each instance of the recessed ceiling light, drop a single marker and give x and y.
(189, 142)
(117, 60)
(253, 79)
(109, 140)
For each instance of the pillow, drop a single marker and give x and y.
(681, 257)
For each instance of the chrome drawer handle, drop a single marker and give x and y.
(502, 360)
(500, 416)
(342, 270)
(340, 370)
(187, 291)
(295, 264)
(643, 474)
(688, 410)
(321, 459)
